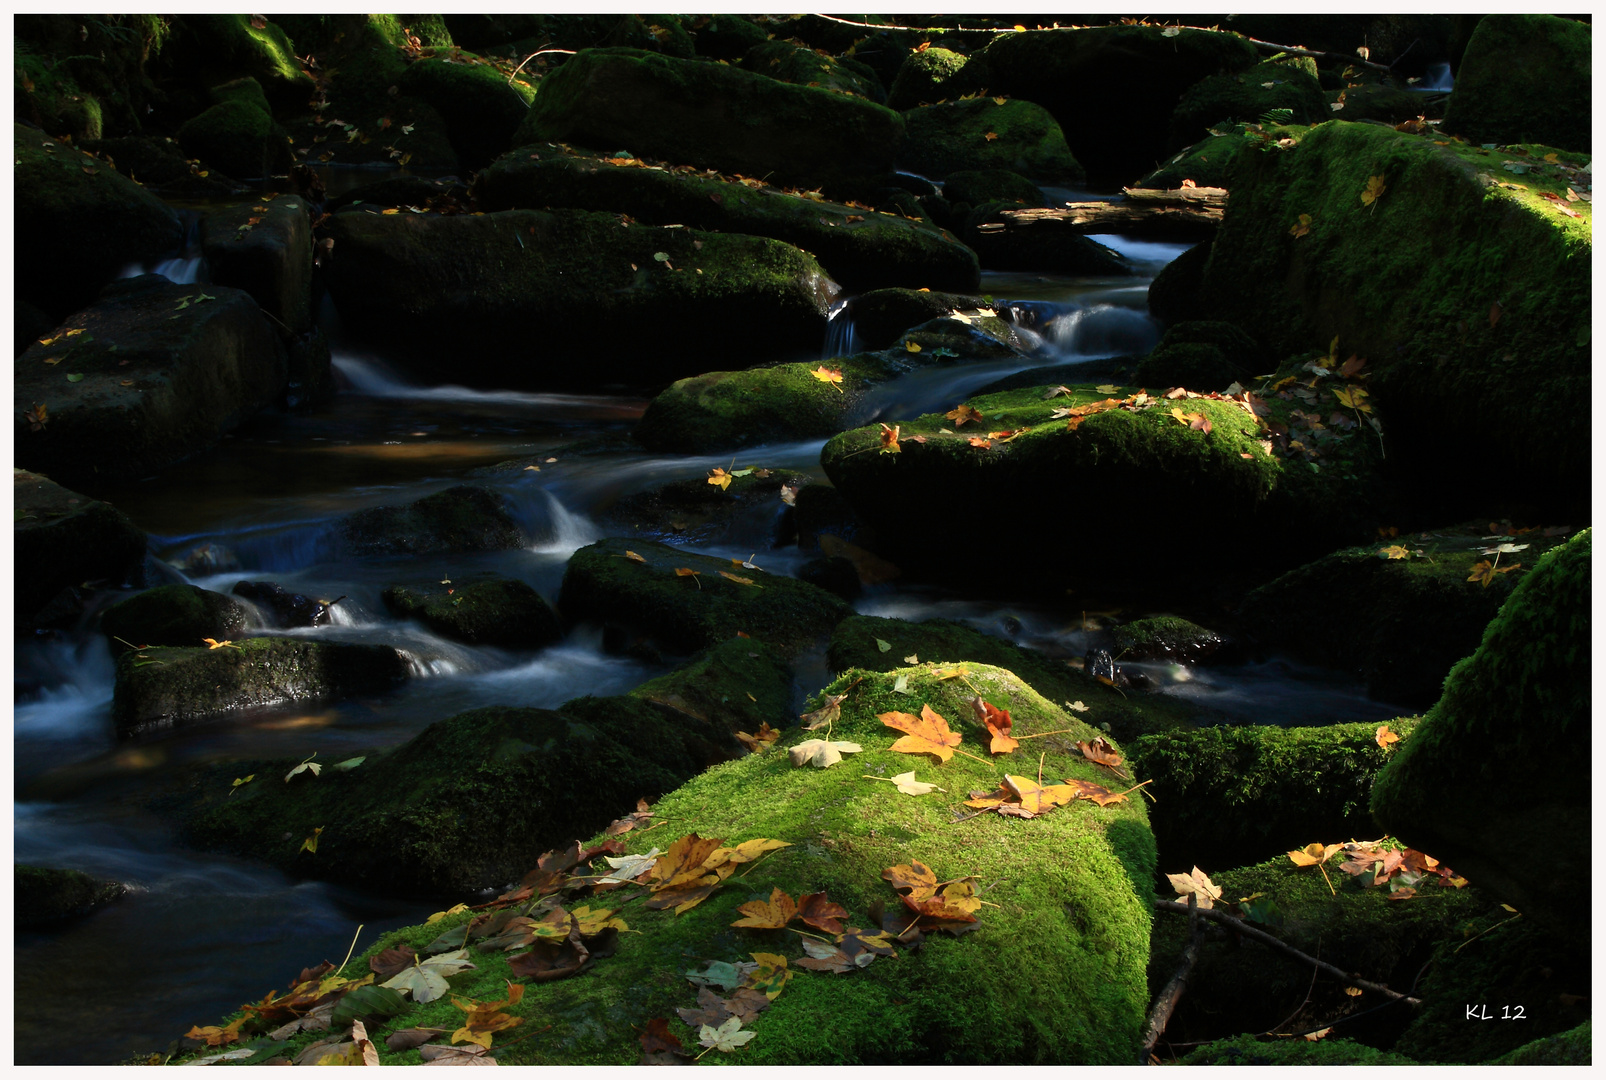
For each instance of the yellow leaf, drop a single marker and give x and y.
(1301, 227)
(1374, 190)
(1385, 737)
(720, 479)
(311, 842)
(889, 440)
(911, 346)
(998, 101)
(633, 557)
(1313, 854)
(830, 376)
(1396, 551)
(739, 580)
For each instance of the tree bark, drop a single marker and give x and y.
(1186, 215)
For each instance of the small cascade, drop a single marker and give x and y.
(1438, 79)
(570, 531)
(187, 267)
(370, 377)
(1101, 330)
(840, 339)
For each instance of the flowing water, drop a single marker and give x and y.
(200, 933)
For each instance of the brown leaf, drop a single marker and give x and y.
(412, 1038)
(771, 914)
(963, 415)
(549, 960)
(711, 1010)
(657, 1039)
(825, 714)
(1100, 752)
(764, 737)
(391, 962)
(817, 911)
(997, 722)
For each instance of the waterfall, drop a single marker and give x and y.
(839, 335)
(570, 531)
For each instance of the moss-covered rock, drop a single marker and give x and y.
(1071, 918)
(463, 518)
(1569, 1048)
(715, 116)
(44, 896)
(697, 511)
(1456, 788)
(1202, 355)
(803, 66)
(491, 610)
(739, 684)
(978, 186)
(925, 77)
(213, 49)
(984, 133)
(1409, 281)
(1205, 163)
(859, 250)
(165, 687)
(173, 615)
(148, 376)
(1399, 623)
(1243, 1050)
(882, 316)
(159, 166)
(1229, 796)
(1238, 985)
(1246, 97)
(1112, 88)
(1378, 101)
(65, 539)
(461, 293)
(1225, 483)
(279, 607)
(1164, 637)
(238, 138)
(271, 259)
(685, 613)
(482, 109)
(1174, 292)
(79, 223)
(728, 37)
(1524, 79)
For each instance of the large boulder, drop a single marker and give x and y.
(1468, 295)
(1524, 79)
(988, 133)
(1004, 243)
(462, 518)
(211, 49)
(238, 136)
(1112, 88)
(151, 374)
(79, 223)
(1247, 96)
(481, 107)
(713, 116)
(47, 896)
(644, 305)
(490, 610)
(805, 67)
(165, 687)
(747, 509)
(265, 249)
(1496, 780)
(1204, 163)
(861, 250)
(680, 613)
(174, 615)
(924, 77)
(64, 539)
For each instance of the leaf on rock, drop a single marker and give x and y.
(306, 766)
(907, 784)
(720, 479)
(829, 376)
(1101, 752)
(821, 754)
(727, 575)
(1395, 551)
(485, 1018)
(1375, 187)
(1385, 737)
(631, 555)
(827, 713)
(980, 443)
(927, 733)
(745, 852)
(771, 914)
(1313, 854)
(550, 960)
(711, 1009)
(762, 740)
(997, 722)
(963, 415)
(724, 975)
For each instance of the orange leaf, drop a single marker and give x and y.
(978, 441)
(1100, 752)
(1313, 854)
(765, 736)
(818, 912)
(927, 733)
(963, 415)
(1036, 798)
(1301, 227)
(771, 914)
(889, 440)
(829, 376)
(1385, 737)
(997, 722)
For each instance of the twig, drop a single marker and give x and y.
(351, 950)
(1045, 734)
(532, 56)
(1282, 946)
(1167, 1001)
(1496, 926)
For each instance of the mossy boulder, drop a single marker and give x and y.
(727, 409)
(685, 613)
(1572, 1047)
(1245, 505)
(1230, 796)
(1397, 614)
(804, 67)
(79, 223)
(977, 186)
(882, 316)
(212, 49)
(470, 803)
(860, 250)
(469, 288)
(160, 167)
(467, 517)
(1456, 788)
(481, 108)
(166, 687)
(925, 77)
(739, 684)
(271, 259)
(173, 615)
(728, 37)
(984, 133)
(1246, 96)
(1174, 292)
(1524, 79)
(714, 116)
(1164, 637)
(1070, 888)
(1243, 1050)
(422, 192)
(239, 138)
(1202, 355)
(491, 610)
(1238, 984)
(1426, 263)
(1112, 88)
(151, 374)
(1001, 243)
(1205, 163)
(747, 510)
(1379, 101)
(45, 896)
(65, 539)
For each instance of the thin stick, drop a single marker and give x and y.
(1478, 935)
(1167, 1001)
(1313, 973)
(973, 757)
(532, 56)
(1135, 787)
(349, 951)
(1040, 758)
(1283, 947)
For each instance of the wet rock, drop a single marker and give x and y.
(173, 615)
(834, 574)
(924, 77)
(1049, 250)
(488, 611)
(683, 110)
(469, 288)
(48, 896)
(481, 108)
(684, 613)
(1165, 637)
(1524, 79)
(860, 250)
(1174, 292)
(1375, 101)
(978, 186)
(1455, 377)
(696, 511)
(64, 539)
(739, 684)
(984, 134)
(79, 223)
(1519, 703)
(728, 37)
(462, 518)
(270, 259)
(882, 316)
(405, 191)
(239, 138)
(282, 607)
(158, 165)
(1247, 96)
(165, 687)
(151, 374)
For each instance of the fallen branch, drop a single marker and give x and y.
(1288, 950)
(1167, 1001)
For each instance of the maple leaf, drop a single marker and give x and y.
(980, 443)
(720, 479)
(1316, 855)
(927, 733)
(820, 753)
(1037, 798)
(1097, 793)
(906, 783)
(659, 1046)
(771, 914)
(830, 376)
(1198, 883)
(990, 136)
(1301, 227)
(686, 571)
(1353, 398)
(485, 1018)
(889, 440)
(1101, 752)
(1375, 187)
(1485, 571)
(963, 415)
(1395, 551)
(1385, 737)
(727, 575)
(819, 912)
(765, 737)
(727, 1038)
(629, 867)
(997, 722)
(825, 714)
(426, 979)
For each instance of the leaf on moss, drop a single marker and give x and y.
(829, 376)
(1385, 737)
(963, 415)
(997, 722)
(762, 740)
(889, 440)
(771, 914)
(1313, 854)
(1375, 187)
(826, 713)
(727, 1038)
(927, 733)
(817, 910)
(820, 753)
(1300, 227)
(720, 479)
(1199, 884)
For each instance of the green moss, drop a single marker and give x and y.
(463, 518)
(227, 46)
(805, 67)
(1233, 795)
(247, 91)
(1524, 78)
(481, 108)
(736, 685)
(1521, 699)
(925, 77)
(1245, 98)
(1163, 637)
(1569, 1048)
(173, 615)
(497, 611)
(65, 540)
(978, 186)
(236, 137)
(1252, 1050)
(987, 133)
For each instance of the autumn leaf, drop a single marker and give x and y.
(765, 736)
(1385, 737)
(426, 979)
(927, 733)
(821, 754)
(889, 440)
(1353, 398)
(217, 1036)
(830, 376)
(727, 1038)
(485, 1018)
(1316, 855)
(311, 842)
(213, 643)
(997, 722)
(727, 575)
(906, 783)
(1352, 366)
(826, 714)
(990, 136)
(771, 914)
(816, 910)
(1037, 798)
(1301, 227)
(1097, 793)
(1199, 884)
(686, 571)
(720, 479)
(628, 867)
(1485, 571)
(306, 766)
(963, 415)
(980, 443)
(1395, 551)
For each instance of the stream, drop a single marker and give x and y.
(198, 934)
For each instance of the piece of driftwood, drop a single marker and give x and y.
(1166, 1003)
(1184, 215)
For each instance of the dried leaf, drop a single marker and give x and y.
(727, 1038)
(1313, 854)
(826, 714)
(830, 376)
(1385, 737)
(720, 479)
(889, 440)
(1375, 187)
(997, 722)
(1198, 883)
(821, 754)
(927, 733)
(762, 740)
(771, 914)
(963, 415)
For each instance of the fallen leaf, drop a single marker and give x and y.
(771, 914)
(963, 414)
(1198, 883)
(825, 714)
(889, 440)
(830, 376)
(927, 733)
(997, 722)
(761, 740)
(306, 766)
(1385, 737)
(816, 910)
(1395, 551)
(426, 979)
(820, 753)
(727, 1038)
(1373, 191)
(1301, 227)
(720, 479)
(980, 443)
(739, 580)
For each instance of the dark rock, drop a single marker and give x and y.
(804, 67)
(1165, 637)
(1246, 98)
(481, 108)
(1205, 163)
(925, 77)
(271, 259)
(46, 896)
(1174, 292)
(882, 316)
(29, 324)
(489, 611)
(698, 511)
(1203, 356)
(173, 615)
(1001, 247)
(462, 518)
(409, 191)
(157, 372)
(284, 608)
(983, 134)
(728, 37)
(1524, 79)
(213, 49)
(238, 138)
(834, 574)
(158, 165)
(64, 539)
(978, 186)
(160, 688)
